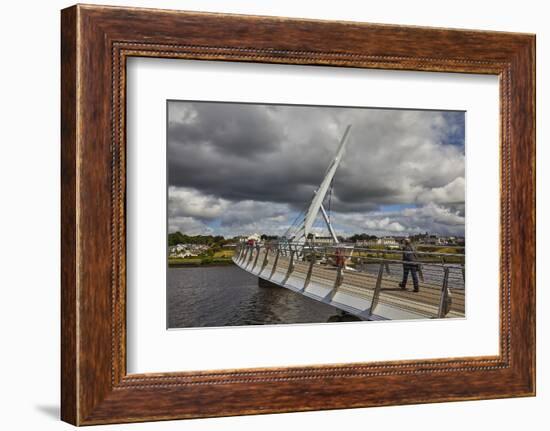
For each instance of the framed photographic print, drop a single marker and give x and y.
(265, 214)
(245, 223)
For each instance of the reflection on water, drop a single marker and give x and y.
(229, 296)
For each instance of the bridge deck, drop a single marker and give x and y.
(354, 290)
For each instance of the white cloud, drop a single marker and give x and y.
(431, 217)
(192, 203)
(190, 212)
(383, 224)
(189, 226)
(449, 193)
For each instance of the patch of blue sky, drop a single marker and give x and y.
(214, 223)
(455, 128)
(294, 217)
(395, 207)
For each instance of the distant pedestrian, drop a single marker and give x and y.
(409, 265)
(339, 258)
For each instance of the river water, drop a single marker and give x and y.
(229, 296)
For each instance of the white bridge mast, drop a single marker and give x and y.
(317, 201)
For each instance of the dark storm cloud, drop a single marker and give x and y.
(237, 131)
(275, 156)
(240, 151)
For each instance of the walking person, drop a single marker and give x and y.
(409, 265)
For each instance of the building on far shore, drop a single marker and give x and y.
(255, 237)
(438, 240)
(187, 250)
(386, 241)
(320, 240)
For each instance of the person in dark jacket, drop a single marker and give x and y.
(409, 265)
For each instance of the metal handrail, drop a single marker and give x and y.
(417, 262)
(308, 250)
(372, 250)
(300, 251)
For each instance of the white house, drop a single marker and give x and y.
(254, 237)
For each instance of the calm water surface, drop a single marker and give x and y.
(229, 296)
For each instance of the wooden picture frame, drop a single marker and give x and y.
(95, 43)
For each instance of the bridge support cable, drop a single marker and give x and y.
(329, 225)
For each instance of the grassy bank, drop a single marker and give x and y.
(220, 258)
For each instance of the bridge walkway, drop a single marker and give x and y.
(352, 290)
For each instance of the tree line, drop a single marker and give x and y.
(180, 238)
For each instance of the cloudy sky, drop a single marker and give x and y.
(243, 168)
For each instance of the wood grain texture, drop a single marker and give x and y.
(69, 398)
(96, 41)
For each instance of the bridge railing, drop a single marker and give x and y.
(443, 270)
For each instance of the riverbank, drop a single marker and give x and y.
(198, 262)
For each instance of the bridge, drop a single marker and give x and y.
(361, 281)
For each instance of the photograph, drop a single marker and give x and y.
(301, 214)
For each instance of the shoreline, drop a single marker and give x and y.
(198, 265)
